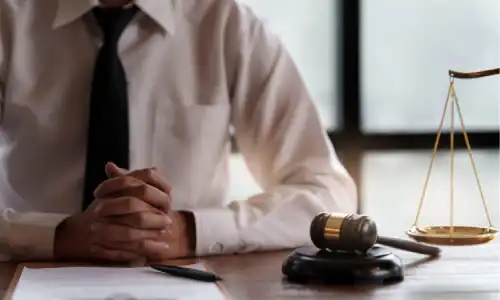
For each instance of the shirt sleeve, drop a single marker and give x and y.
(2, 61)
(279, 134)
(27, 236)
(23, 236)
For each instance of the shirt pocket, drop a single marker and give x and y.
(189, 141)
(190, 124)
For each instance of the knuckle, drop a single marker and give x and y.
(98, 206)
(112, 255)
(102, 253)
(130, 203)
(94, 227)
(127, 181)
(166, 203)
(123, 256)
(143, 190)
(141, 219)
(167, 220)
(129, 233)
(143, 246)
(94, 250)
(99, 252)
(166, 185)
(168, 200)
(149, 173)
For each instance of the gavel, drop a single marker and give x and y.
(357, 233)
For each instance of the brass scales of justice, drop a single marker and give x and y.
(453, 235)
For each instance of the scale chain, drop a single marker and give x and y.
(452, 159)
(454, 101)
(471, 157)
(433, 158)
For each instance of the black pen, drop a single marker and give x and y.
(187, 273)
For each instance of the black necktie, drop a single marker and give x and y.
(108, 134)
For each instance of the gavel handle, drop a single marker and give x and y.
(409, 246)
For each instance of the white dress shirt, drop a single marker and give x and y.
(198, 72)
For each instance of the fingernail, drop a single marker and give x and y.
(113, 170)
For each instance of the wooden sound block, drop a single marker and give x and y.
(311, 265)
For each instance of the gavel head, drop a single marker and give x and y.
(343, 232)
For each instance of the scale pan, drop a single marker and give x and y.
(461, 235)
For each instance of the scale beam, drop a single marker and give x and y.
(473, 75)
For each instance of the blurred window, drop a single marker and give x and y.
(407, 49)
(309, 31)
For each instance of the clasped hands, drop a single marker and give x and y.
(130, 219)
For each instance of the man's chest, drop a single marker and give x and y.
(178, 98)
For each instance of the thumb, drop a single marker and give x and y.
(112, 170)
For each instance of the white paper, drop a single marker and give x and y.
(92, 283)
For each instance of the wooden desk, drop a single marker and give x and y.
(461, 273)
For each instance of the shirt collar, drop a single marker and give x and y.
(161, 11)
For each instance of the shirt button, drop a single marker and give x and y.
(217, 248)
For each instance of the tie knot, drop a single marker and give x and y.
(113, 20)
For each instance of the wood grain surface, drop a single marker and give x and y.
(460, 273)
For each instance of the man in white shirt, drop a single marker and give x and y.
(173, 80)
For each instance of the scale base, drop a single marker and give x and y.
(311, 265)
(459, 236)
